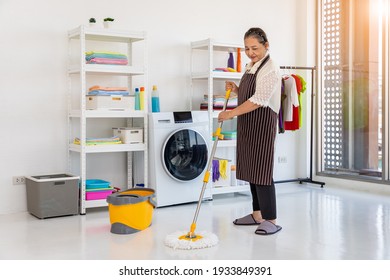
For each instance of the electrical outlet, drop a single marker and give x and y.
(18, 180)
(282, 159)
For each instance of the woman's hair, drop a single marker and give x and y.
(257, 33)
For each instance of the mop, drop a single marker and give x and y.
(190, 240)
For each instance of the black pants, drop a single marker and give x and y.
(264, 199)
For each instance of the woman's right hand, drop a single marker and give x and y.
(231, 86)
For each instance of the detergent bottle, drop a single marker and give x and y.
(142, 98)
(230, 63)
(238, 66)
(137, 100)
(155, 100)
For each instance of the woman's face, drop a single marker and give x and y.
(255, 50)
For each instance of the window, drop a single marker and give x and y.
(352, 62)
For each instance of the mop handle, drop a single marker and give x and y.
(209, 164)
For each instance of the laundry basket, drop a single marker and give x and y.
(131, 210)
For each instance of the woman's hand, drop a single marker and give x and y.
(225, 115)
(231, 86)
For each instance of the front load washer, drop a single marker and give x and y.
(178, 156)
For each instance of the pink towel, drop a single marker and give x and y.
(107, 61)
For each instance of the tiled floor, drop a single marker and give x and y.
(318, 224)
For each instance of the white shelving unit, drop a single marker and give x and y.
(82, 122)
(206, 55)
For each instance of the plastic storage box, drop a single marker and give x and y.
(129, 135)
(52, 195)
(97, 189)
(96, 184)
(101, 193)
(110, 102)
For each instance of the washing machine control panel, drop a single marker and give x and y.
(182, 117)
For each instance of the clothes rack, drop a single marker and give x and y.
(310, 178)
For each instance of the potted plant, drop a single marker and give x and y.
(92, 21)
(107, 22)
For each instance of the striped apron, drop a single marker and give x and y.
(256, 132)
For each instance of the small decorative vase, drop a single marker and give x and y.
(107, 24)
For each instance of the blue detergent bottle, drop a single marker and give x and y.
(155, 100)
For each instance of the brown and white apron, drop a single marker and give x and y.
(256, 132)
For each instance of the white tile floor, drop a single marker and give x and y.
(318, 224)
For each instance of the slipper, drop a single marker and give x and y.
(267, 228)
(248, 220)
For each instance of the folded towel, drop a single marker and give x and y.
(105, 92)
(99, 141)
(92, 54)
(96, 87)
(107, 61)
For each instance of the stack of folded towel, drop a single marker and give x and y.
(99, 141)
(114, 58)
(98, 90)
(229, 135)
(219, 101)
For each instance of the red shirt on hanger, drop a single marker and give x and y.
(294, 124)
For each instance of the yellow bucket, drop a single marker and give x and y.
(131, 210)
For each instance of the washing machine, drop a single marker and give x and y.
(178, 155)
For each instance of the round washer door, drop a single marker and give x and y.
(185, 154)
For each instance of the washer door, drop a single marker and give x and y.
(185, 154)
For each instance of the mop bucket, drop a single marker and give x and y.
(131, 210)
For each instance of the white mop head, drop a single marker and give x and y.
(207, 240)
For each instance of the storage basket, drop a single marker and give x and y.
(129, 135)
(52, 195)
(110, 102)
(99, 193)
(96, 184)
(131, 210)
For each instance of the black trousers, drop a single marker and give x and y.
(264, 199)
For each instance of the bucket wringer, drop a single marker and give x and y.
(131, 210)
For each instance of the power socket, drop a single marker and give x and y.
(282, 159)
(18, 180)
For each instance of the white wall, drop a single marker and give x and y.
(33, 81)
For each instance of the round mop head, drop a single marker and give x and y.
(202, 240)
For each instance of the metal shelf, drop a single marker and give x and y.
(106, 70)
(108, 114)
(78, 115)
(108, 148)
(217, 75)
(210, 47)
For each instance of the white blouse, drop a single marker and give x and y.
(268, 84)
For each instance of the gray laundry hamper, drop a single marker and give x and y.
(52, 195)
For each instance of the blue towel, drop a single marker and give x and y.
(108, 92)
